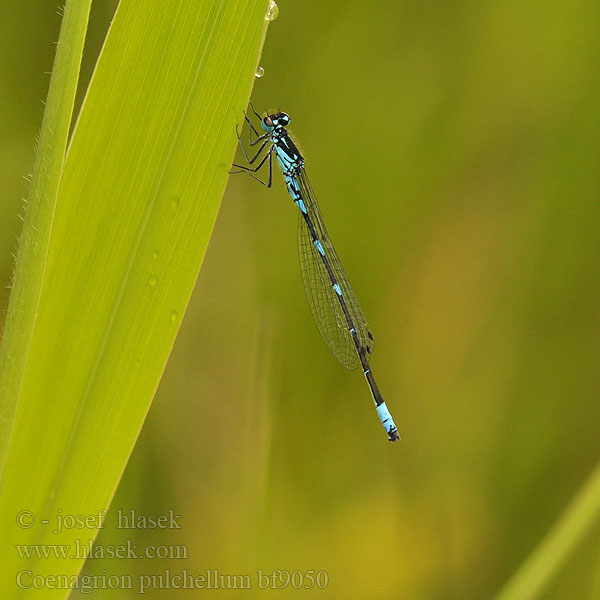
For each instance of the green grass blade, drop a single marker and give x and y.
(140, 190)
(537, 572)
(35, 238)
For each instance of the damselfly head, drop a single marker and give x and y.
(271, 122)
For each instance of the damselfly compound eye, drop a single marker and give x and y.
(283, 119)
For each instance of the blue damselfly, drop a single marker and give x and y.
(333, 304)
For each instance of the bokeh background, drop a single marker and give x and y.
(455, 150)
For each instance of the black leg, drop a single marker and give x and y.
(249, 171)
(254, 111)
(251, 160)
(253, 129)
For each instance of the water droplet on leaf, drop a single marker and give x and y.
(272, 11)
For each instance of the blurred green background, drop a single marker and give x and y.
(454, 148)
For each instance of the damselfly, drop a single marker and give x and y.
(333, 304)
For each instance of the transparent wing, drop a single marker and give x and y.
(322, 299)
